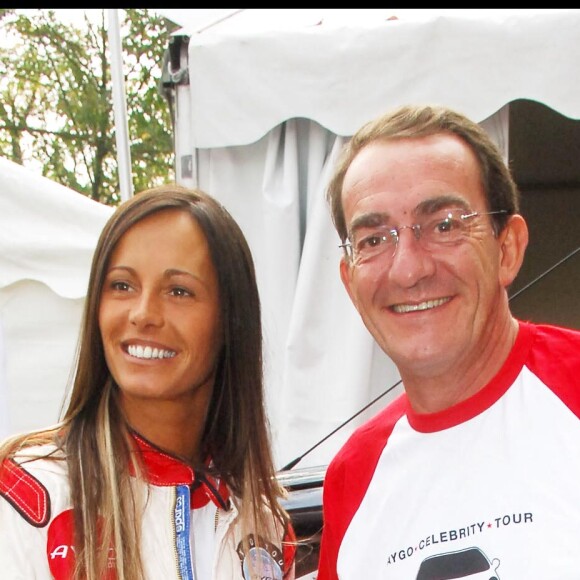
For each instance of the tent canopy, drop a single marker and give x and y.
(254, 69)
(47, 238)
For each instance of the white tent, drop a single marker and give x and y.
(265, 98)
(47, 237)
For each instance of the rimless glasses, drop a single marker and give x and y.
(444, 228)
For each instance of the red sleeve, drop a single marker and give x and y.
(555, 359)
(330, 541)
(289, 549)
(347, 479)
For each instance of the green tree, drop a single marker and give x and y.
(56, 104)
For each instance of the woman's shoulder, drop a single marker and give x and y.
(33, 478)
(42, 458)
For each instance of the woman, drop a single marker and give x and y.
(161, 466)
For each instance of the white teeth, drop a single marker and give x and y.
(148, 352)
(427, 305)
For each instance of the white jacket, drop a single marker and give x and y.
(183, 513)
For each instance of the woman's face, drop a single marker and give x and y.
(159, 314)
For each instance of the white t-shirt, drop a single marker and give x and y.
(489, 488)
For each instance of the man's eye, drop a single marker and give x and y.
(448, 224)
(371, 241)
(375, 241)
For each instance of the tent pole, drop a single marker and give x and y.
(120, 106)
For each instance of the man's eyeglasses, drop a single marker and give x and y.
(442, 229)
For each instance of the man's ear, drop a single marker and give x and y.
(513, 240)
(346, 276)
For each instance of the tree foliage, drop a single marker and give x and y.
(56, 100)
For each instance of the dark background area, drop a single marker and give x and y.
(544, 154)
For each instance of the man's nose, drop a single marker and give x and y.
(410, 262)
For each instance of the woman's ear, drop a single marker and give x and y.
(513, 240)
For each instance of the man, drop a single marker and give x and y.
(475, 468)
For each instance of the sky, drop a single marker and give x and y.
(76, 16)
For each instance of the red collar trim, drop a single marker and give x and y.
(483, 399)
(165, 470)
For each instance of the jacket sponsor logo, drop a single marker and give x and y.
(181, 523)
(60, 548)
(180, 514)
(260, 560)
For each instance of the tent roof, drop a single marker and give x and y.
(252, 69)
(49, 232)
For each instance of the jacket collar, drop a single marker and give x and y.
(164, 470)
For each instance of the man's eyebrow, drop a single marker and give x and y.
(369, 220)
(426, 207)
(433, 204)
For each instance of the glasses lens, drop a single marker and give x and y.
(444, 228)
(367, 243)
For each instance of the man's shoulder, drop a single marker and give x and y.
(551, 332)
(384, 421)
(553, 358)
(553, 345)
(372, 435)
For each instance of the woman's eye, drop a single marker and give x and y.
(120, 286)
(180, 292)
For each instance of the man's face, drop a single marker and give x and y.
(431, 310)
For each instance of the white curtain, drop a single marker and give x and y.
(5, 426)
(47, 237)
(319, 359)
(497, 127)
